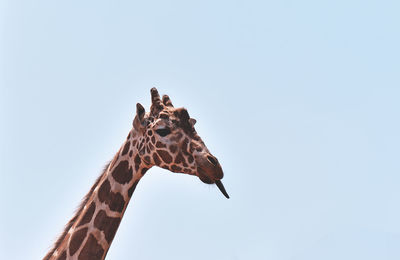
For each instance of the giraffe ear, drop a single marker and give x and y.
(139, 118)
(184, 115)
(192, 121)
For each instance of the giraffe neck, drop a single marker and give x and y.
(90, 233)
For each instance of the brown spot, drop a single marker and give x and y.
(126, 148)
(173, 148)
(137, 162)
(115, 201)
(151, 147)
(153, 139)
(147, 159)
(175, 168)
(63, 256)
(144, 170)
(91, 250)
(156, 159)
(134, 142)
(150, 133)
(147, 139)
(185, 145)
(177, 137)
(190, 158)
(129, 136)
(160, 145)
(108, 225)
(132, 188)
(88, 214)
(179, 158)
(76, 240)
(104, 191)
(165, 156)
(130, 153)
(121, 173)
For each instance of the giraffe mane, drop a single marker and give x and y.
(77, 213)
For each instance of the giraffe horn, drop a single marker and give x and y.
(222, 188)
(167, 101)
(156, 105)
(155, 97)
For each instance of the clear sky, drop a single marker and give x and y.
(299, 100)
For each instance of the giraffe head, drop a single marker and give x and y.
(167, 138)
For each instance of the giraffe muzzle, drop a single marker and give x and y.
(210, 171)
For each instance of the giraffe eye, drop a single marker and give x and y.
(163, 131)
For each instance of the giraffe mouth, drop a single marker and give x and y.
(204, 178)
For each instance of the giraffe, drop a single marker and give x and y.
(164, 137)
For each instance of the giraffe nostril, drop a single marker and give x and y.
(212, 160)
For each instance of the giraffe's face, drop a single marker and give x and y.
(167, 138)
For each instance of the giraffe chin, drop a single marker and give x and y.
(204, 178)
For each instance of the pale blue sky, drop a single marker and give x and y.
(299, 100)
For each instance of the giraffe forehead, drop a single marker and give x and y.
(167, 112)
(166, 119)
(174, 118)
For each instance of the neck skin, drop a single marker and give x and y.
(89, 234)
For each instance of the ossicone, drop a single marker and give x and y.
(156, 105)
(167, 101)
